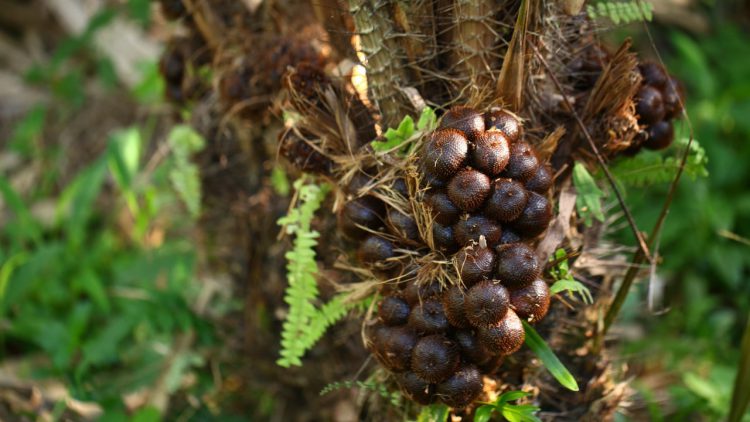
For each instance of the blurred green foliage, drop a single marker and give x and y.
(708, 295)
(100, 291)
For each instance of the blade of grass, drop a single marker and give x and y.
(537, 344)
(741, 393)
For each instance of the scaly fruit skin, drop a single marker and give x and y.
(484, 191)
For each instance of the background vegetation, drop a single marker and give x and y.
(102, 292)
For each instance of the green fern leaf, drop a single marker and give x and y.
(305, 323)
(621, 11)
(371, 385)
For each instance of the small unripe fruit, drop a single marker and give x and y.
(416, 388)
(505, 337)
(650, 106)
(653, 74)
(462, 388)
(445, 153)
(672, 95)
(491, 152)
(474, 264)
(486, 303)
(359, 181)
(444, 239)
(468, 189)
(469, 229)
(393, 311)
(531, 302)
(453, 305)
(509, 236)
(429, 180)
(523, 162)
(660, 135)
(374, 250)
(541, 181)
(507, 201)
(465, 119)
(434, 358)
(517, 265)
(443, 210)
(428, 317)
(470, 348)
(402, 225)
(399, 186)
(504, 122)
(365, 212)
(535, 217)
(416, 293)
(394, 347)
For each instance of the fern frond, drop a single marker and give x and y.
(622, 11)
(394, 397)
(649, 168)
(302, 292)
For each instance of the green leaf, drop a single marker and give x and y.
(433, 413)
(483, 413)
(548, 358)
(6, 270)
(704, 388)
(650, 167)
(279, 181)
(185, 178)
(589, 200)
(185, 141)
(511, 412)
(395, 137)
(150, 88)
(427, 120)
(89, 283)
(564, 280)
(27, 228)
(572, 286)
(26, 132)
(147, 414)
(76, 203)
(124, 156)
(186, 182)
(520, 413)
(511, 396)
